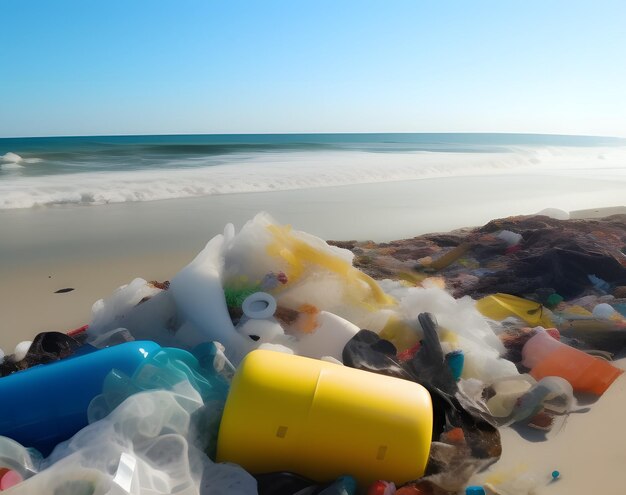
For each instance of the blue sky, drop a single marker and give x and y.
(227, 66)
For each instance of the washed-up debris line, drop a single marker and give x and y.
(279, 364)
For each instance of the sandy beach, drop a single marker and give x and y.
(93, 250)
(96, 249)
(454, 175)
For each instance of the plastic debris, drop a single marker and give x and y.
(21, 350)
(308, 418)
(455, 360)
(599, 284)
(603, 311)
(506, 393)
(500, 306)
(55, 410)
(511, 238)
(554, 300)
(45, 348)
(382, 487)
(144, 417)
(546, 356)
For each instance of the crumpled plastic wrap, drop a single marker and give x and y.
(317, 279)
(314, 277)
(461, 326)
(148, 438)
(143, 441)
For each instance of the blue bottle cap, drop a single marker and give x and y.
(475, 490)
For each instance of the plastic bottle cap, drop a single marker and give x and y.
(259, 305)
(555, 474)
(475, 490)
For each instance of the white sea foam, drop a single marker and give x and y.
(10, 166)
(11, 157)
(289, 171)
(12, 161)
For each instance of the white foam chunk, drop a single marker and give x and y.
(603, 311)
(199, 296)
(21, 349)
(329, 338)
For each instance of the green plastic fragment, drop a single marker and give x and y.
(554, 300)
(236, 295)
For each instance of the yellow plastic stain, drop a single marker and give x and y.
(297, 253)
(400, 334)
(450, 257)
(412, 278)
(578, 310)
(438, 282)
(468, 263)
(449, 337)
(500, 306)
(502, 476)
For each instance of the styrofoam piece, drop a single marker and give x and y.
(329, 338)
(261, 331)
(603, 311)
(146, 312)
(197, 290)
(276, 348)
(316, 273)
(120, 302)
(21, 349)
(507, 391)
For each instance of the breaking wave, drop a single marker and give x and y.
(264, 172)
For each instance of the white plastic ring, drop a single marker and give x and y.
(259, 305)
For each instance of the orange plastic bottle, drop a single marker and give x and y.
(546, 356)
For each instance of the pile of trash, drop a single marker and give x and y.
(279, 364)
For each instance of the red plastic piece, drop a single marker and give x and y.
(78, 331)
(554, 333)
(9, 479)
(414, 490)
(378, 488)
(409, 353)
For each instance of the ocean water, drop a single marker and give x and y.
(43, 172)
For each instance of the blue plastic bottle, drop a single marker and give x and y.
(47, 404)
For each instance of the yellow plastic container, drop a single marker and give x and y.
(323, 420)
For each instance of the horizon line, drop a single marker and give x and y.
(310, 134)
